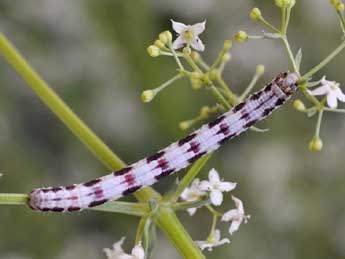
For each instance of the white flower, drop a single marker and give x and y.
(118, 253)
(332, 90)
(192, 193)
(236, 216)
(215, 186)
(212, 241)
(188, 34)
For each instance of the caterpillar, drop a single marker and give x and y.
(171, 159)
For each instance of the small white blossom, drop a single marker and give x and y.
(192, 193)
(212, 241)
(118, 253)
(188, 34)
(215, 186)
(332, 90)
(236, 216)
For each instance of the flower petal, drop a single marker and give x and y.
(191, 211)
(197, 44)
(179, 42)
(185, 194)
(239, 204)
(226, 186)
(205, 185)
(234, 226)
(138, 252)
(340, 94)
(213, 176)
(179, 27)
(322, 90)
(230, 215)
(198, 28)
(216, 197)
(332, 100)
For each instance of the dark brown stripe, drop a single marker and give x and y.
(221, 142)
(250, 123)
(123, 171)
(267, 111)
(280, 101)
(196, 157)
(186, 139)
(45, 209)
(92, 182)
(162, 163)
(96, 203)
(194, 147)
(238, 107)
(268, 87)
(255, 96)
(245, 116)
(57, 209)
(56, 189)
(224, 129)
(165, 173)
(73, 209)
(70, 187)
(155, 156)
(216, 121)
(131, 190)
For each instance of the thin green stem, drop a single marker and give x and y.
(169, 82)
(219, 59)
(220, 97)
(191, 62)
(334, 110)
(249, 87)
(140, 230)
(202, 63)
(128, 208)
(324, 62)
(291, 56)
(287, 19)
(167, 219)
(190, 175)
(230, 95)
(269, 25)
(189, 204)
(13, 199)
(176, 57)
(342, 20)
(283, 22)
(318, 125)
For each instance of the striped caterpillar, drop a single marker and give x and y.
(171, 159)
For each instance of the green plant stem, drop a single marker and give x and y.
(231, 96)
(190, 175)
(342, 20)
(167, 219)
(269, 25)
(176, 57)
(169, 82)
(334, 110)
(318, 125)
(13, 199)
(324, 62)
(220, 97)
(128, 208)
(291, 56)
(249, 87)
(190, 204)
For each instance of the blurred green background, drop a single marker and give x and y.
(93, 53)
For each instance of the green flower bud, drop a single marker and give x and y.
(279, 3)
(195, 55)
(339, 7)
(214, 74)
(315, 144)
(153, 51)
(159, 44)
(260, 70)
(147, 96)
(226, 57)
(227, 45)
(205, 111)
(255, 14)
(187, 50)
(184, 125)
(195, 80)
(241, 36)
(299, 105)
(165, 37)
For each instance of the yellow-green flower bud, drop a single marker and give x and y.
(187, 50)
(227, 45)
(195, 80)
(299, 105)
(292, 3)
(279, 3)
(195, 55)
(153, 51)
(260, 70)
(226, 57)
(205, 111)
(334, 2)
(339, 7)
(184, 125)
(165, 37)
(315, 144)
(241, 36)
(214, 74)
(159, 44)
(255, 14)
(147, 96)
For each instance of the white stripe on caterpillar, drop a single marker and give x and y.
(171, 159)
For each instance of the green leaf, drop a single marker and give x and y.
(298, 58)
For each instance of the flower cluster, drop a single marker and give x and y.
(117, 252)
(214, 188)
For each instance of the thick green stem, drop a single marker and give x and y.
(291, 56)
(13, 199)
(231, 96)
(129, 208)
(167, 220)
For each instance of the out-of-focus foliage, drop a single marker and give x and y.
(93, 53)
